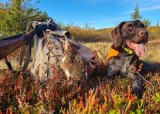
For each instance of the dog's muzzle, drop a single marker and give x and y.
(142, 33)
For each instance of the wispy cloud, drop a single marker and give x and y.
(143, 9)
(150, 8)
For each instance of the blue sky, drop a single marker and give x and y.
(99, 13)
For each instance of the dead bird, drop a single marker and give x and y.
(74, 65)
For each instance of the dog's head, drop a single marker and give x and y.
(130, 34)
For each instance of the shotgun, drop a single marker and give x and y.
(12, 43)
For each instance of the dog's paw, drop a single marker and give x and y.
(138, 91)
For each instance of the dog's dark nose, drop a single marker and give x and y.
(142, 33)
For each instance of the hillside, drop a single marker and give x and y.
(104, 34)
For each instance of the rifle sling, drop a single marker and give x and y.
(27, 59)
(8, 64)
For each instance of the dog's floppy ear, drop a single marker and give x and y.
(116, 35)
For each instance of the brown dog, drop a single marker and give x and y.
(123, 58)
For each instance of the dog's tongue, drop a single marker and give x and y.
(138, 48)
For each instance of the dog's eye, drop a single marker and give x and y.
(130, 28)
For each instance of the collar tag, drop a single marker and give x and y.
(129, 51)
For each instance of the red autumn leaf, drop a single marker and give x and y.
(30, 91)
(131, 98)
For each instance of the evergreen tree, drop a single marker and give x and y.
(136, 16)
(146, 22)
(15, 15)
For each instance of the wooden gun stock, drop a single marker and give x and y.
(10, 44)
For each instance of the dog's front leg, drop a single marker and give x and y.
(112, 68)
(136, 84)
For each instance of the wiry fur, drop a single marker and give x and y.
(126, 64)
